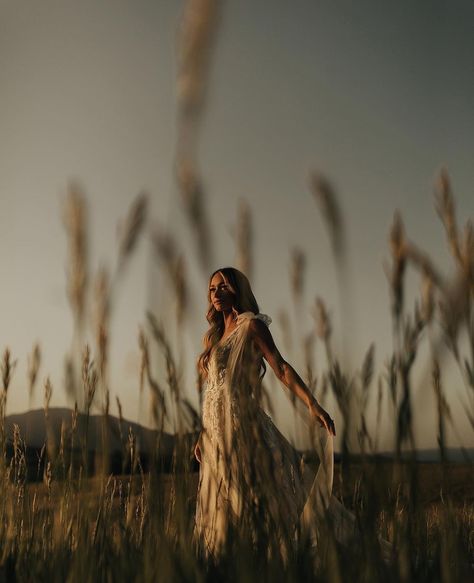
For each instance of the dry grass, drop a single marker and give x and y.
(75, 527)
(139, 526)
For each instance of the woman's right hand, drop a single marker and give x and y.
(197, 452)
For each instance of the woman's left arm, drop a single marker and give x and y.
(287, 374)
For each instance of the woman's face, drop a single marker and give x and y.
(220, 294)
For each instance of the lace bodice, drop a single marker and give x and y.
(213, 400)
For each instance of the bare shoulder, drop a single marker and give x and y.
(260, 333)
(263, 340)
(257, 327)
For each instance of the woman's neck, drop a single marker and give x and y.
(229, 320)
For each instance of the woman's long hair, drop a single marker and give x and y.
(244, 302)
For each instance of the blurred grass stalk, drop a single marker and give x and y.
(143, 522)
(77, 526)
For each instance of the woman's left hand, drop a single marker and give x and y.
(197, 452)
(323, 418)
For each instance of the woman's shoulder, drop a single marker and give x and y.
(256, 325)
(247, 316)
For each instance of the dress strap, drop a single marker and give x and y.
(251, 316)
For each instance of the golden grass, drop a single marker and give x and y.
(139, 526)
(76, 527)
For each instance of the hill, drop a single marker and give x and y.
(35, 431)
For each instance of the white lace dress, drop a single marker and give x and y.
(251, 478)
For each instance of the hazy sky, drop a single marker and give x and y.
(377, 96)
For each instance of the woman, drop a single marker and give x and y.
(251, 480)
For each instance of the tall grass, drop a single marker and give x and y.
(79, 525)
(76, 525)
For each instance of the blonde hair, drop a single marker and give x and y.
(244, 302)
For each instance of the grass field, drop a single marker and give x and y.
(128, 526)
(413, 521)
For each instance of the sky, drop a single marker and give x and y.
(376, 96)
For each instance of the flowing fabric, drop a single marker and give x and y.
(252, 481)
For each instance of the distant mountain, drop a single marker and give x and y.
(34, 431)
